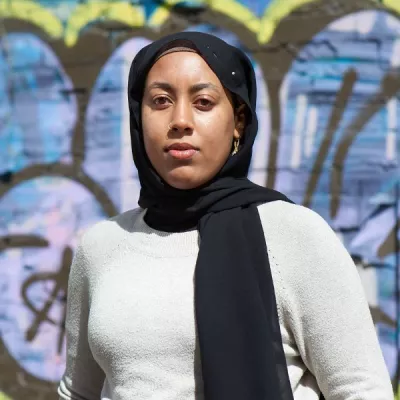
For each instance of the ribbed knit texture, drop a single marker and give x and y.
(131, 331)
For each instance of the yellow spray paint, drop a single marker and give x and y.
(238, 12)
(161, 14)
(134, 16)
(275, 12)
(264, 27)
(34, 13)
(84, 14)
(391, 5)
(230, 8)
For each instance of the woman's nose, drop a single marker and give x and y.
(182, 119)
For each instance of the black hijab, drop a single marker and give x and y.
(240, 342)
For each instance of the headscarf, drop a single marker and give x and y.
(240, 342)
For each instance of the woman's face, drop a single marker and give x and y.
(188, 120)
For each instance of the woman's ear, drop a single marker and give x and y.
(240, 121)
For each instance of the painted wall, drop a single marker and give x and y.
(329, 111)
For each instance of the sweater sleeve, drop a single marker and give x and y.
(83, 378)
(327, 308)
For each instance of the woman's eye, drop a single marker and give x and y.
(161, 101)
(204, 103)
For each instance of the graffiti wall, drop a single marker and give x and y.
(329, 110)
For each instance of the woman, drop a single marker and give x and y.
(181, 299)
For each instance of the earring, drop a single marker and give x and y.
(235, 146)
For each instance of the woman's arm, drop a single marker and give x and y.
(83, 378)
(327, 308)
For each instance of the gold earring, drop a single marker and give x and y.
(235, 146)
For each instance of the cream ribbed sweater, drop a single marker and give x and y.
(131, 324)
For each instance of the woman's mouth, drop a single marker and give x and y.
(181, 151)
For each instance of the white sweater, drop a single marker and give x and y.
(131, 330)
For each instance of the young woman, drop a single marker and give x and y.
(215, 288)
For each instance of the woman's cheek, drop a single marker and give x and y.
(153, 135)
(217, 150)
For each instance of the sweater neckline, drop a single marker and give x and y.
(162, 244)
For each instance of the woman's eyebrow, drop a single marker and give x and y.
(206, 85)
(193, 89)
(160, 85)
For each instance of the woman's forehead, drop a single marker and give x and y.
(183, 68)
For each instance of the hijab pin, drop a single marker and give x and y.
(233, 73)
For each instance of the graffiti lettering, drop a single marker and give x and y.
(60, 279)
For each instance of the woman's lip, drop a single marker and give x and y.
(182, 154)
(181, 146)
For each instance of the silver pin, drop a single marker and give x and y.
(233, 73)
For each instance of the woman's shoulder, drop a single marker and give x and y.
(298, 236)
(110, 230)
(303, 244)
(292, 219)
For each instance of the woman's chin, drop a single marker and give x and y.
(183, 184)
(184, 180)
